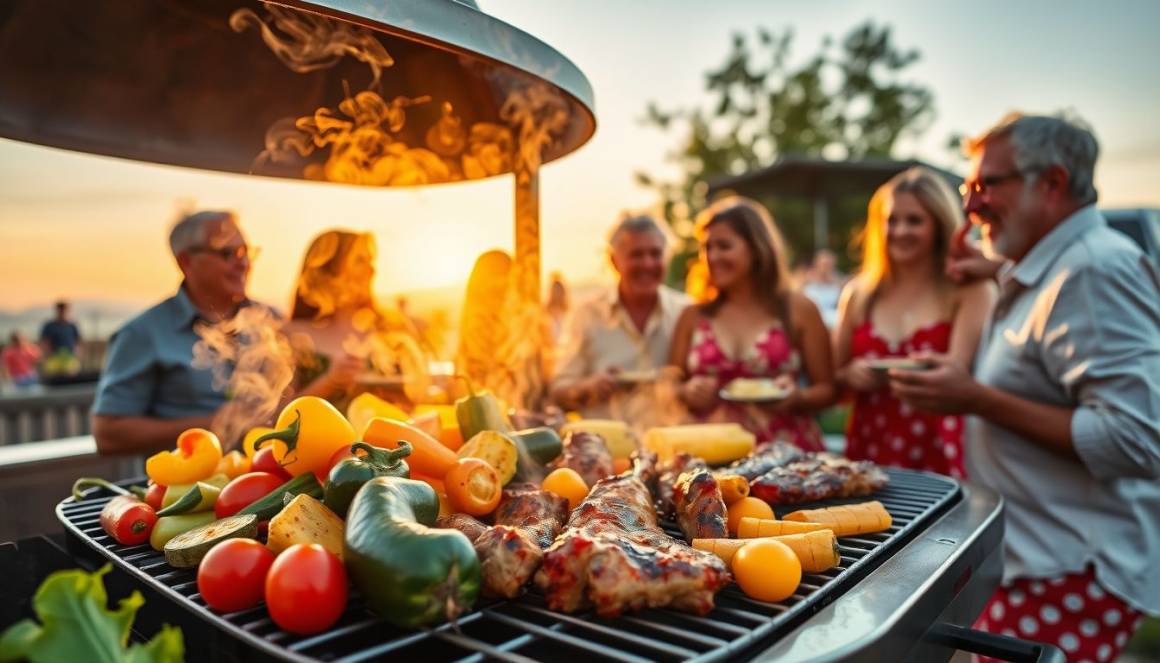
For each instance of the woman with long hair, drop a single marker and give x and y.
(335, 325)
(751, 324)
(900, 304)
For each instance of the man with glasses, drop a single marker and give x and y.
(1066, 392)
(149, 391)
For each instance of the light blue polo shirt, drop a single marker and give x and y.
(149, 366)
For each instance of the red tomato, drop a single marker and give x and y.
(244, 491)
(154, 495)
(306, 589)
(340, 454)
(232, 576)
(264, 462)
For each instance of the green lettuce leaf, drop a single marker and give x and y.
(77, 626)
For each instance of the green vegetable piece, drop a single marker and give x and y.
(348, 475)
(76, 625)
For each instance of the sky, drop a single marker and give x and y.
(94, 228)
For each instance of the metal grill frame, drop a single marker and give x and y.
(524, 629)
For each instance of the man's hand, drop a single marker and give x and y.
(598, 387)
(945, 388)
(966, 262)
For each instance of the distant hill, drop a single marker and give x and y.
(97, 319)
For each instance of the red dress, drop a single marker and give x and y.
(889, 432)
(772, 355)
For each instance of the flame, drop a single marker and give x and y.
(252, 361)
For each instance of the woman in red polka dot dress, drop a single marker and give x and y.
(902, 304)
(753, 326)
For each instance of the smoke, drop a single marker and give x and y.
(252, 362)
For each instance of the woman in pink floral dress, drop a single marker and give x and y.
(902, 304)
(752, 326)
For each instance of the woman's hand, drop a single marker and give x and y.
(860, 377)
(793, 399)
(700, 392)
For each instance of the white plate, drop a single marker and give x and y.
(636, 376)
(753, 390)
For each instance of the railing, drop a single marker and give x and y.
(45, 414)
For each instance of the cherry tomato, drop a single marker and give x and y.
(306, 589)
(473, 486)
(767, 570)
(154, 495)
(244, 491)
(232, 576)
(264, 461)
(746, 507)
(567, 483)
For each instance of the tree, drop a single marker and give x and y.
(849, 104)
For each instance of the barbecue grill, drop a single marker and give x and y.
(901, 594)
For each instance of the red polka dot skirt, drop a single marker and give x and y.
(1071, 612)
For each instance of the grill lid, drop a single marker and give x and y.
(414, 91)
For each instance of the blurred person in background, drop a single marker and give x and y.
(150, 391)
(625, 330)
(901, 303)
(60, 333)
(754, 325)
(556, 308)
(823, 285)
(20, 357)
(1066, 393)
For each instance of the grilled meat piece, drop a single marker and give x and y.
(699, 507)
(765, 458)
(819, 478)
(587, 454)
(527, 520)
(615, 557)
(670, 471)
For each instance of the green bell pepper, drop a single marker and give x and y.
(348, 475)
(408, 572)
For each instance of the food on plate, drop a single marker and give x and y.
(905, 363)
(197, 454)
(409, 573)
(748, 507)
(587, 454)
(232, 575)
(734, 487)
(616, 434)
(306, 520)
(714, 443)
(307, 433)
(188, 548)
(819, 476)
(636, 376)
(848, 519)
(495, 448)
(754, 389)
(754, 528)
(567, 484)
(699, 507)
(767, 570)
(473, 487)
(349, 474)
(306, 589)
(615, 557)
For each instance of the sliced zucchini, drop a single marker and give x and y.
(496, 449)
(187, 549)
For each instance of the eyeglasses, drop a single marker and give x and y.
(230, 252)
(981, 185)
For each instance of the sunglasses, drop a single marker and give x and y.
(230, 252)
(983, 184)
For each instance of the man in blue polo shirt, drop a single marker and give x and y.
(150, 391)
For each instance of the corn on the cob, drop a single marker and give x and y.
(715, 443)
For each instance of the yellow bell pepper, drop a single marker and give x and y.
(233, 465)
(251, 437)
(367, 406)
(311, 430)
(197, 455)
(448, 429)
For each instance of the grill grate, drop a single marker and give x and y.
(524, 629)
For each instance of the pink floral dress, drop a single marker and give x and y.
(771, 355)
(889, 432)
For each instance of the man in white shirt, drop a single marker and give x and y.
(1066, 394)
(620, 339)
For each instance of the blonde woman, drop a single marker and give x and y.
(900, 304)
(752, 325)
